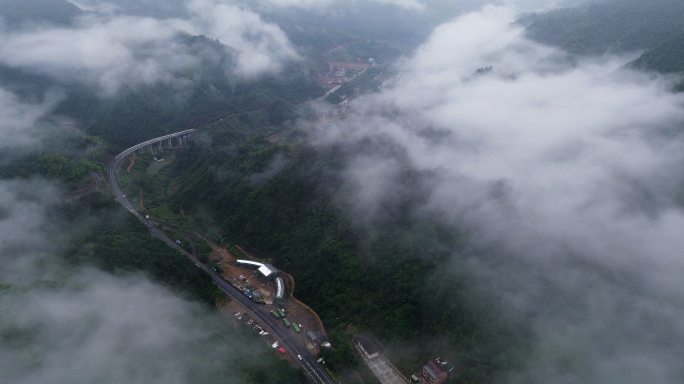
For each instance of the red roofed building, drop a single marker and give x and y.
(434, 373)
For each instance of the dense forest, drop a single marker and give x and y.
(346, 21)
(282, 201)
(655, 28)
(404, 277)
(91, 231)
(102, 236)
(16, 13)
(608, 26)
(667, 57)
(139, 112)
(206, 90)
(391, 281)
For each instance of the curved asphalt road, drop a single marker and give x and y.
(258, 312)
(97, 179)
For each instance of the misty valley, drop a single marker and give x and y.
(328, 191)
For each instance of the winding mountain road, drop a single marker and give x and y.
(94, 186)
(258, 312)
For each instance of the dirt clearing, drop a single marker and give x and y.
(222, 255)
(142, 200)
(132, 164)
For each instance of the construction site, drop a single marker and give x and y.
(266, 285)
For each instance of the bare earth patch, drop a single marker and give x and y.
(131, 165)
(142, 200)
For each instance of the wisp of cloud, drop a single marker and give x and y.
(116, 50)
(571, 169)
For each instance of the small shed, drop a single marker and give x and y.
(267, 271)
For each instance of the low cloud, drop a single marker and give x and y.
(17, 116)
(263, 47)
(113, 51)
(104, 329)
(62, 323)
(278, 163)
(418, 5)
(125, 50)
(407, 4)
(541, 5)
(23, 222)
(572, 170)
(102, 7)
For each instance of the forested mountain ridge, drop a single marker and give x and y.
(617, 26)
(90, 241)
(407, 275)
(667, 57)
(367, 19)
(58, 12)
(392, 282)
(608, 26)
(204, 92)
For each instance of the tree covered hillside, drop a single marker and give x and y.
(667, 57)
(82, 253)
(58, 12)
(608, 26)
(206, 91)
(283, 201)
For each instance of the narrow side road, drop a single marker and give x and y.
(94, 186)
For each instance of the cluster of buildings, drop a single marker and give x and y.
(343, 106)
(341, 73)
(436, 371)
